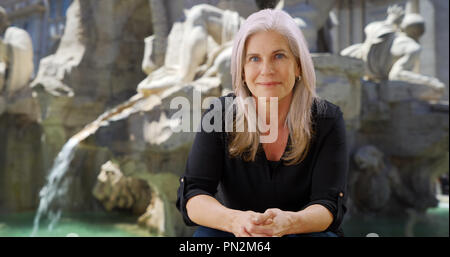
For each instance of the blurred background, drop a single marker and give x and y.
(87, 146)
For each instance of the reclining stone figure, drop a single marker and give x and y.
(391, 51)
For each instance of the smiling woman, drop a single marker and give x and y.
(237, 184)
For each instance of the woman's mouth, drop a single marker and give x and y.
(268, 84)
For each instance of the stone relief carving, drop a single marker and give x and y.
(377, 181)
(16, 57)
(371, 190)
(391, 51)
(197, 47)
(114, 190)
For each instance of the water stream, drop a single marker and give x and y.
(56, 187)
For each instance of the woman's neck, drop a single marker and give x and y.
(283, 105)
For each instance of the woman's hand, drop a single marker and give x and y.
(250, 223)
(282, 221)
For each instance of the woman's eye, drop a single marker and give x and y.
(254, 59)
(279, 56)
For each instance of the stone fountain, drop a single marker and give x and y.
(111, 123)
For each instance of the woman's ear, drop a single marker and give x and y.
(298, 70)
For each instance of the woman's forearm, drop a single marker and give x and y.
(315, 218)
(207, 211)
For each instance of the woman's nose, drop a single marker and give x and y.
(267, 68)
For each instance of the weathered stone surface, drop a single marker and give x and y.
(312, 15)
(406, 126)
(2, 105)
(23, 102)
(21, 163)
(338, 81)
(114, 190)
(97, 63)
(413, 136)
(396, 90)
(161, 216)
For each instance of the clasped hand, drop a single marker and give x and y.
(272, 223)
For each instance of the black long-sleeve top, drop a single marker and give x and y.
(319, 179)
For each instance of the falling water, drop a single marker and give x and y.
(56, 186)
(52, 194)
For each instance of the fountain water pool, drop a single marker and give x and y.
(124, 225)
(435, 223)
(74, 224)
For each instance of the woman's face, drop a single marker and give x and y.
(270, 68)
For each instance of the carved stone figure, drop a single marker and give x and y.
(379, 38)
(371, 190)
(378, 186)
(391, 51)
(192, 46)
(406, 52)
(115, 190)
(154, 217)
(16, 56)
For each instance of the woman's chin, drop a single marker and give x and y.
(266, 97)
(267, 94)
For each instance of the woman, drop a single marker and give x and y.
(292, 186)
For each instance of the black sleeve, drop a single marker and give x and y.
(329, 177)
(203, 169)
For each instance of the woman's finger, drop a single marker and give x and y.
(262, 218)
(261, 235)
(270, 213)
(268, 221)
(245, 233)
(259, 229)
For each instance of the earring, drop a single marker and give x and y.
(298, 78)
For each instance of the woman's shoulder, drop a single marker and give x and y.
(229, 96)
(323, 109)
